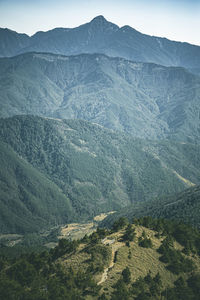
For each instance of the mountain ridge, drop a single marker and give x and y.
(142, 99)
(101, 36)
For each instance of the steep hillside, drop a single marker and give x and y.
(101, 36)
(145, 100)
(96, 169)
(29, 201)
(184, 206)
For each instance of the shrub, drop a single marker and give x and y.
(146, 243)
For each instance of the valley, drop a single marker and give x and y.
(71, 231)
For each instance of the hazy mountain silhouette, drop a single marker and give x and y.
(101, 36)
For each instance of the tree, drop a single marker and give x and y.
(102, 297)
(22, 271)
(126, 274)
(157, 279)
(119, 224)
(9, 289)
(121, 291)
(129, 234)
(146, 243)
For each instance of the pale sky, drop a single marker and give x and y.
(174, 19)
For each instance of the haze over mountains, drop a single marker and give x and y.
(142, 99)
(143, 91)
(101, 36)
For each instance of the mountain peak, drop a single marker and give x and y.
(99, 19)
(101, 23)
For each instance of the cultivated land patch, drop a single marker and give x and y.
(79, 230)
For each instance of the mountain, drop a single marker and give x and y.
(184, 206)
(101, 36)
(145, 100)
(57, 171)
(11, 42)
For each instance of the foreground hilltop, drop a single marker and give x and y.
(149, 259)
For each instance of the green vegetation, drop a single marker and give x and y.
(182, 233)
(30, 242)
(177, 263)
(29, 201)
(120, 223)
(129, 233)
(150, 288)
(183, 206)
(100, 257)
(41, 276)
(73, 269)
(126, 274)
(118, 94)
(145, 243)
(58, 171)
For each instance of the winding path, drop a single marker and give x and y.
(115, 246)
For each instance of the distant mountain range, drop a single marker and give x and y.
(101, 36)
(142, 99)
(57, 171)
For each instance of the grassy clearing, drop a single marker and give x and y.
(76, 231)
(139, 260)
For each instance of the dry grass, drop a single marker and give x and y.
(102, 216)
(78, 261)
(142, 260)
(76, 231)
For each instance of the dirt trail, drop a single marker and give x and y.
(115, 247)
